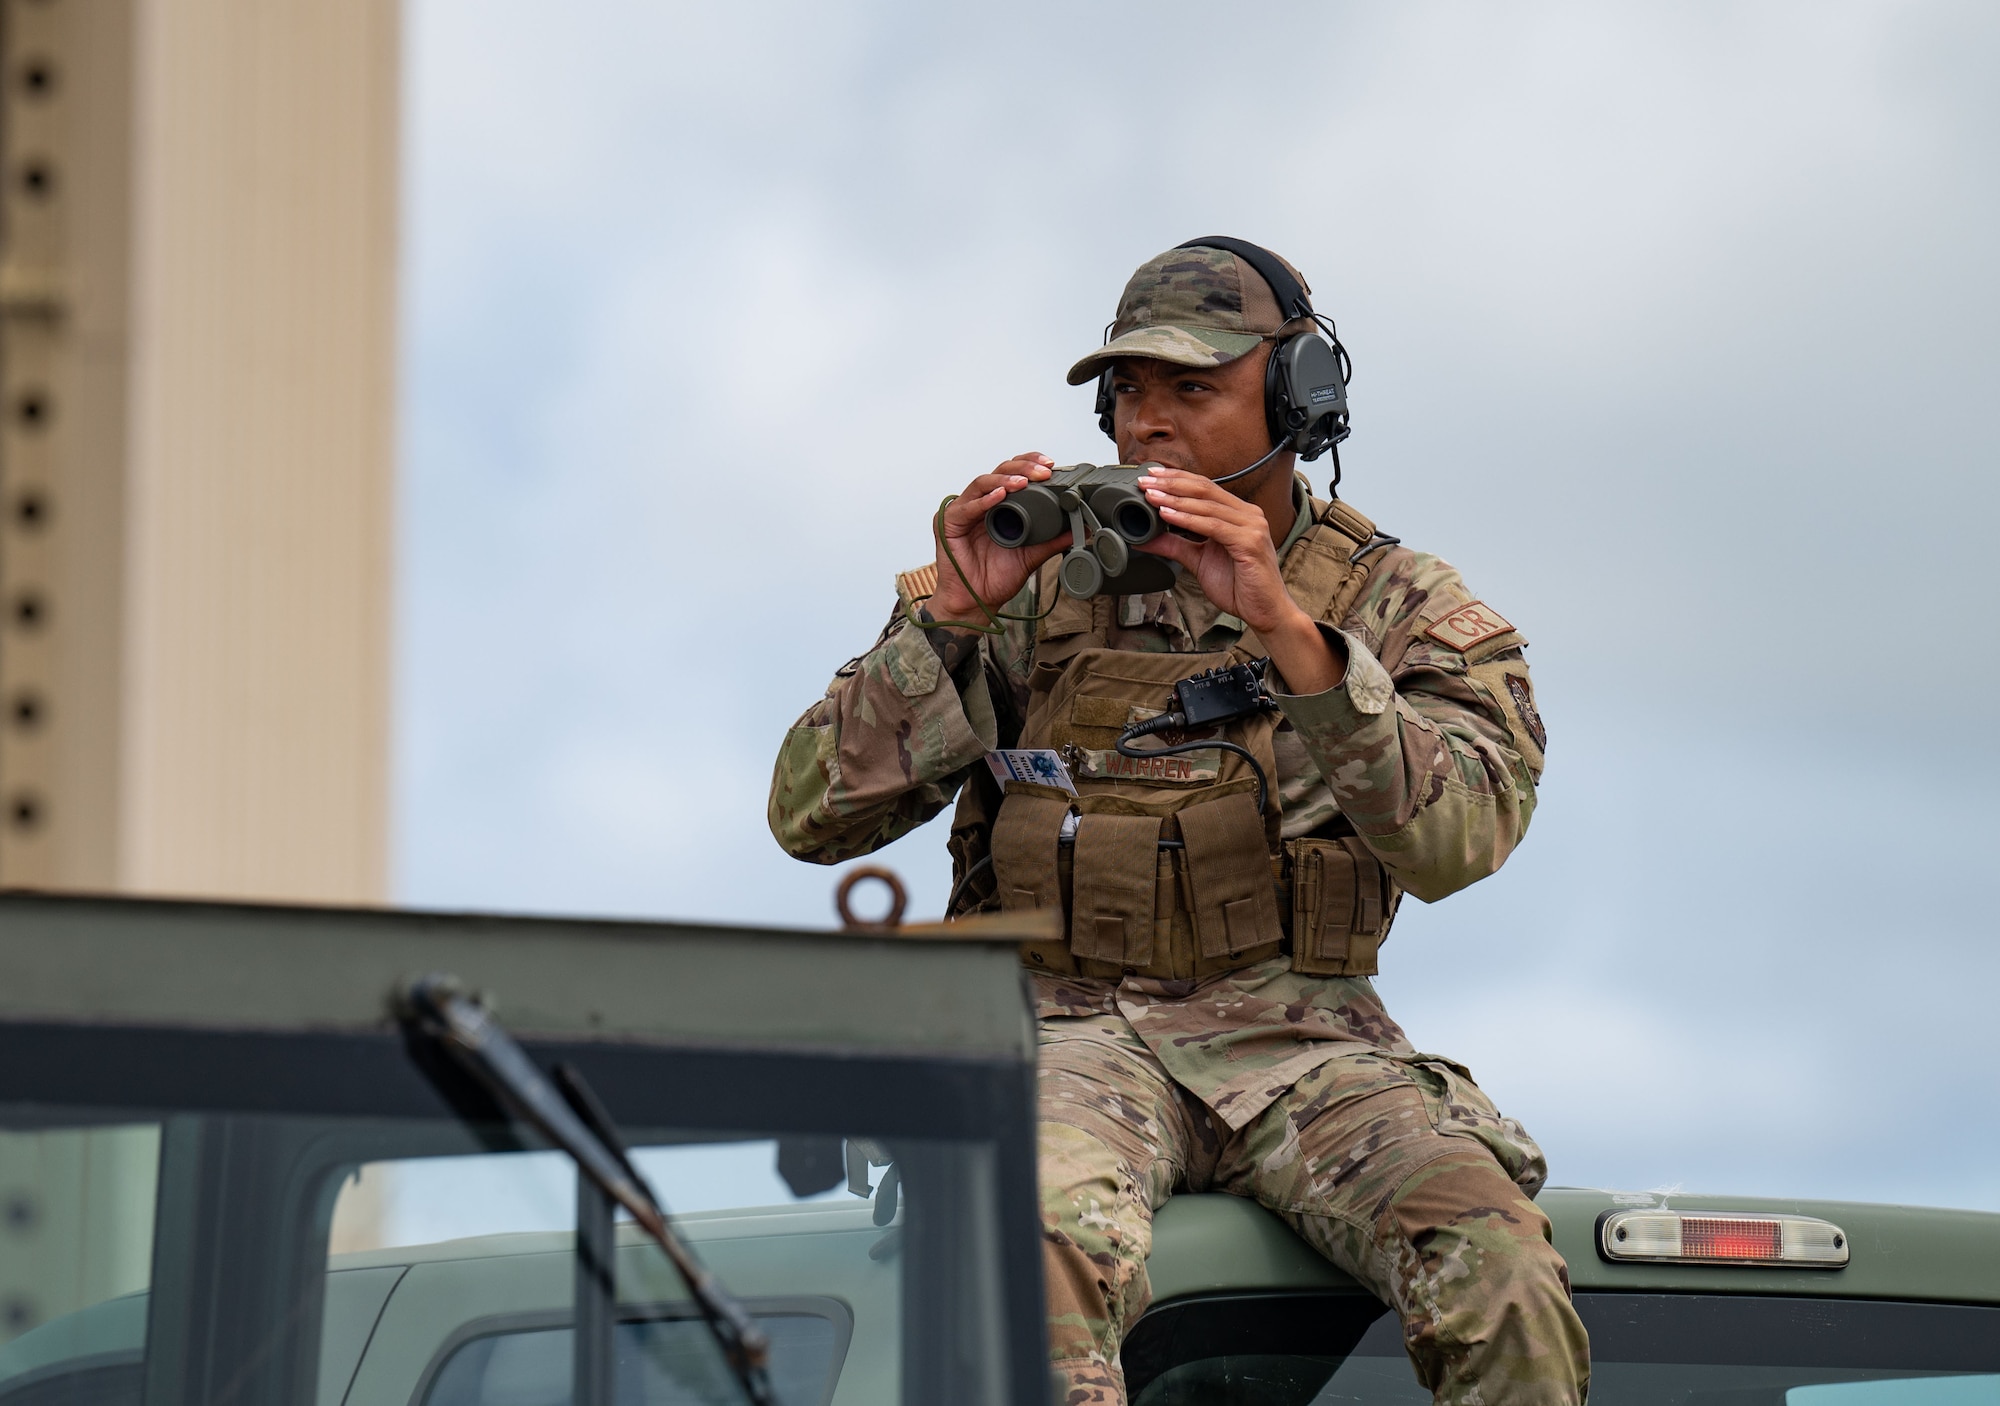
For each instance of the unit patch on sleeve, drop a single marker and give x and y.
(1524, 704)
(1467, 626)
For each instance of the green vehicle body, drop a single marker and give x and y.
(1228, 1277)
(1211, 1244)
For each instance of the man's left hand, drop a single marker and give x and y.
(1237, 566)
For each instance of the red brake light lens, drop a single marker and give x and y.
(1707, 1238)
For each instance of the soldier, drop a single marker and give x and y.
(1208, 1023)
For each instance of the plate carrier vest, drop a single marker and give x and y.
(1172, 872)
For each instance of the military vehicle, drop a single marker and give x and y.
(202, 1103)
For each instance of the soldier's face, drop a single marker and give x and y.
(1208, 420)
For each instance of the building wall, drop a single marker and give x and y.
(65, 240)
(197, 297)
(199, 291)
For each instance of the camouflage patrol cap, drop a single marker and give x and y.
(1192, 307)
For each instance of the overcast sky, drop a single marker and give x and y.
(1674, 329)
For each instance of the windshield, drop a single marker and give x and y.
(192, 1258)
(1646, 1350)
(445, 1276)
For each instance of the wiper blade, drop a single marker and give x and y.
(436, 1009)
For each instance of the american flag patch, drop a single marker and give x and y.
(917, 583)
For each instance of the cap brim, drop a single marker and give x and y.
(1183, 346)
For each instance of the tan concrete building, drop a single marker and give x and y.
(197, 298)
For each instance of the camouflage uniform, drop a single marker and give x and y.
(1295, 1089)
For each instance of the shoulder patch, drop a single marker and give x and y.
(917, 583)
(1467, 626)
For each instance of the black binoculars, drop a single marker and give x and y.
(1103, 506)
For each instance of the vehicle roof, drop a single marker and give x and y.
(697, 1227)
(950, 991)
(1205, 1244)
(1214, 1243)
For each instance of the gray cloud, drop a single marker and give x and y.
(1673, 331)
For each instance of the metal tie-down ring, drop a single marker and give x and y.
(899, 899)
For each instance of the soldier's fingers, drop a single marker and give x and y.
(1011, 475)
(1231, 508)
(1188, 492)
(1174, 548)
(1031, 465)
(1033, 557)
(972, 505)
(1188, 484)
(1233, 537)
(1187, 510)
(983, 486)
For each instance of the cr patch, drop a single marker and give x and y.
(1468, 625)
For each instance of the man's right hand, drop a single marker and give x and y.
(995, 574)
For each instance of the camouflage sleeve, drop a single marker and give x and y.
(1432, 759)
(891, 742)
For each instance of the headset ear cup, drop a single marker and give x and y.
(1315, 394)
(1274, 393)
(1285, 415)
(1105, 404)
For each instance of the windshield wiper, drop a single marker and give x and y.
(436, 1011)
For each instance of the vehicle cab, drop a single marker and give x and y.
(230, 1173)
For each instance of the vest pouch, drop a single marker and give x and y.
(1343, 901)
(971, 843)
(1024, 847)
(1230, 892)
(1115, 881)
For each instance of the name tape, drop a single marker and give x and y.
(1186, 769)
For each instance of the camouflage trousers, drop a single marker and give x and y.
(1399, 1170)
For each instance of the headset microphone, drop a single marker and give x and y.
(1273, 452)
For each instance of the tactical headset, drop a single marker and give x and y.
(1305, 382)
